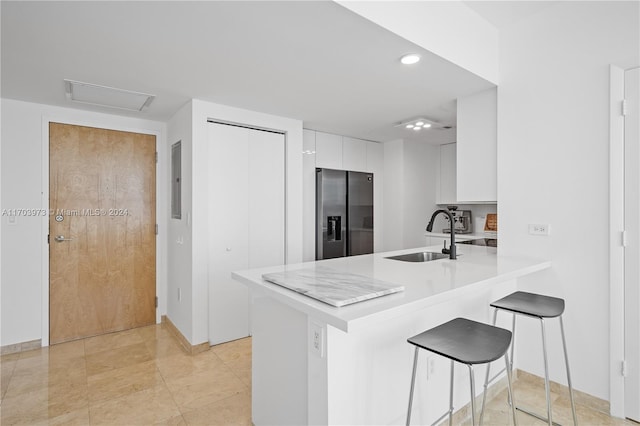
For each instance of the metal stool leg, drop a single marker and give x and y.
(566, 361)
(513, 345)
(486, 377)
(451, 395)
(472, 382)
(549, 419)
(546, 372)
(413, 381)
(510, 388)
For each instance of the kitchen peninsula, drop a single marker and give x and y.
(318, 364)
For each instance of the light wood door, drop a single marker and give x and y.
(102, 196)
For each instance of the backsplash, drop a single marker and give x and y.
(478, 213)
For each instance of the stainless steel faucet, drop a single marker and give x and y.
(452, 248)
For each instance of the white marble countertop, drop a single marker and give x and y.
(425, 283)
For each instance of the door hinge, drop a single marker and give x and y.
(624, 238)
(623, 107)
(156, 301)
(156, 229)
(156, 157)
(623, 369)
(48, 239)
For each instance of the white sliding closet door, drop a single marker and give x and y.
(246, 219)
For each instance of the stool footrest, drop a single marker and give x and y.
(495, 377)
(537, 416)
(442, 417)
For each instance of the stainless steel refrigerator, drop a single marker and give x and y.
(344, 213)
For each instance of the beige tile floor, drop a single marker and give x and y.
(144, 377)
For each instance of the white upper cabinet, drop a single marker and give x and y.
(477, 147)
(354, 154)
(446, 189)
(328, 151)
(345, 153)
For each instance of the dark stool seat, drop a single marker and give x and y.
(536, 305)
(540, 307)
(467, 342)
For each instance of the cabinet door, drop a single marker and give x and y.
(328, 151)
(477, 147)
(447, 186)
(375, 165)
(354, 154)
(309, 195)
(246, 220)
(228, 232)
(266, 199)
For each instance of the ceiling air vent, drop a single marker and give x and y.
(95, 94)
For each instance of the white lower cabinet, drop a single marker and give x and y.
(246, 219)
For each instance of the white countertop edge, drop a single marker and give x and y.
(362, 322)
(315, 308)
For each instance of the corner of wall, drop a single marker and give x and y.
(179, 244)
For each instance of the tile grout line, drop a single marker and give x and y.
(164, 381)
(233, 370)
(15, 364)
(86, 374)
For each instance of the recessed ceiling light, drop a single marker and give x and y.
(95, 94)
(410, 59)
(420, 122)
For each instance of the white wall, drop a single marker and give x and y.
(24, 248)
(449, 29)
(179, 241)
(190, 270)
(409, 192)
(393, 227)
(420, 170)
(553, 131)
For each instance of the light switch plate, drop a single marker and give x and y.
(539, 229)
(316, 337)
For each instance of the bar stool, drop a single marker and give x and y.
(541, 307)
(467, 342)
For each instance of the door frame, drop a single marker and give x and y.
(117, 124)
(616, 248)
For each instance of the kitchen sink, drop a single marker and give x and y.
(422, 256)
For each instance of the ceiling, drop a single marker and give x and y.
(504, 13)
(313, 61)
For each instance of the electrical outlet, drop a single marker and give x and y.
(317, 339)
(431, 367)
(179, 294)
(538, 229)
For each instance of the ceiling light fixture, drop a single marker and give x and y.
(410, 59)
(419, 123)
(95, 94)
